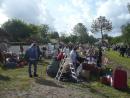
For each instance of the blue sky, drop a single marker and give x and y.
(64, 14)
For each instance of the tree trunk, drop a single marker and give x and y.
(102, 35)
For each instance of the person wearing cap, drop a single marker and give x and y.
(32, 55)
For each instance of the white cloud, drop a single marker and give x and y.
(73, 12)
(115, 11)
(34, 11)
(77, 3)
(124, 17)
(63, 8)
(64, 14)
(3, 17)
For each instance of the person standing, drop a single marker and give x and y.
(21, 49)
(39, 52)
(32, 58)
(73, 57)
(21, 54)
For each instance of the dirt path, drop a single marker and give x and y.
(41, 88)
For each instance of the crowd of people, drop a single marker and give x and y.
(77, 53)
(124, 50)
(86, 59)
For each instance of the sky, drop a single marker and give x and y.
(63, 15)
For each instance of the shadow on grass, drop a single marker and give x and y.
(127, 90)
(4, 78)
(46, 82)
(11, 68)
(94, 90)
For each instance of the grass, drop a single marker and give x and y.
(118, 60)
(14, 79)
(17, 79)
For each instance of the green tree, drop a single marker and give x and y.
(117, 39)
(101, 25)
(126, 33)
(43, 33)
(54, 35)
(63, 38)
(17, 29)
(91, 39)
(81, 31)
(73, 38)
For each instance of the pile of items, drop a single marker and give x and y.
(116, 78)
(14, 61)
(91, 65)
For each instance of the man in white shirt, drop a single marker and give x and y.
(66, 51)
(73, 56)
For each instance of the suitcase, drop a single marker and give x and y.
(120, 79)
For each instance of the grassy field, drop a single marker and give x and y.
(17, 79)
(118, 60)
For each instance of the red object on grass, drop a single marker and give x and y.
(120, 79)
(106, 80)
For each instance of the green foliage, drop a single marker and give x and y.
(17, 29)
(81, 31)
(116, 40)
(81, 35)
(54, 35)
(91, 39)
(118, 60)
(43, 33)
(21, 31)
(113, 40)
(126, 33)
(64, 38)
(73, 38)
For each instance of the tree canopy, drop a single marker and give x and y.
(126, 33)
(101, 25)
(21, 31)
(81, 34)
(17, 29)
